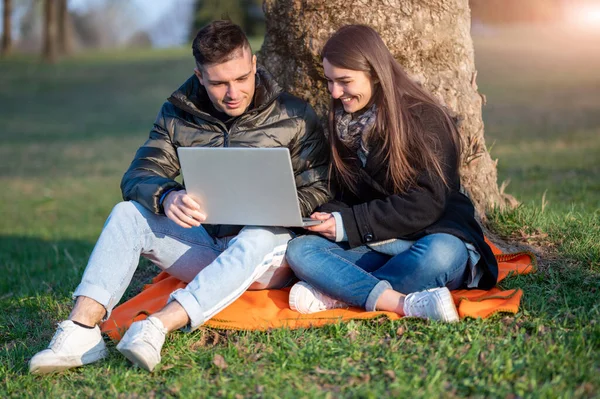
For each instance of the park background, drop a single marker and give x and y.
(72, 116)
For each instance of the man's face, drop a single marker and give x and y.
(230, 85)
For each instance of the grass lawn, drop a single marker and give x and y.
(69, 131)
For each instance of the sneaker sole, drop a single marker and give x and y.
(450, 313)
(69, 363)
(131, 354)
(294, 296)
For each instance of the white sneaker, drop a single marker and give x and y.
(434, 304)
(306, 299)
(71, 346)
(142, 343)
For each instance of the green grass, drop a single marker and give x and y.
(70, 130)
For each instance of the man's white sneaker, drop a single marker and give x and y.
(142, 343)
(71, 346)
(306, 299)
(434, 304)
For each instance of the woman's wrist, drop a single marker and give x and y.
(340, 232)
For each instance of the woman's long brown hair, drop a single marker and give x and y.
(404, 144)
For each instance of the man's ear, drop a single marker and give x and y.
(254, 63)
(199, 76)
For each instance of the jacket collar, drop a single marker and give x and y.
(192, 97)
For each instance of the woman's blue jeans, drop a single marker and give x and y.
(358, 276)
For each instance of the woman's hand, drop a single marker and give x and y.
(327, 228)
(182, 209)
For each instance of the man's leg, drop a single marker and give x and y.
(130, 231)
(252, 253)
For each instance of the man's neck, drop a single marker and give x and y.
(220, 115)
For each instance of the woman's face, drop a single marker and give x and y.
(353, 88)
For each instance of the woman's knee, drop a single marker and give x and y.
(445, 252)
(301, 248)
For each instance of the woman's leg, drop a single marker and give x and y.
(338, 271)
(436, 260)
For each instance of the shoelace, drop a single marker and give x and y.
(58, 337)
(418, 305)
(148, 336)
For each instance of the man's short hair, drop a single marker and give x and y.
(219, 42)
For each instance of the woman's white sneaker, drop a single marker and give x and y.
(143, 342)
(71, 346)
(433, 304)
(306, 299)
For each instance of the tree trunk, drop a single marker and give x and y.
(7, 28)
(64, 29)
(430, 38)
(50, 50)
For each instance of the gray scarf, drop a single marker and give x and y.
(355, 132)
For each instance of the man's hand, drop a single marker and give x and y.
(182, 209)
(327, 228)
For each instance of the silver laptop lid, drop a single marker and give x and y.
(242, 186)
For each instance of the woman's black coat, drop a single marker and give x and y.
(428, 207)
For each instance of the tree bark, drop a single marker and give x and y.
(50, 50)
(64, 29)
(430, 38)
(7, 28)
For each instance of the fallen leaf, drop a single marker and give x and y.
(400, 331)
(352, 335)
(220, 362)
(319, 370)
(391, 374)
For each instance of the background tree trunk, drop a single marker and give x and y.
(50, 50)
(64, 28)
(430, 38)
(7, 28)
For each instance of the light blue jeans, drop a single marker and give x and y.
(358, 276)
(218, 270)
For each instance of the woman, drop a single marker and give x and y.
(400, 233)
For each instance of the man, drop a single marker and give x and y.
(228, 103)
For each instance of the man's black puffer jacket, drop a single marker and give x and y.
(275, 119)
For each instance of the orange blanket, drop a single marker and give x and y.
(261, 310)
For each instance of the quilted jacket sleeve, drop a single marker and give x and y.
(310, 156)
(153, 169)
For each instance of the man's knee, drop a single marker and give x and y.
(125, 210)
(263, 237)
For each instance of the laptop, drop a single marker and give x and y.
(243, 186)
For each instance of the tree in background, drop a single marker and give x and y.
(431, 39)
(246, 13)
(50, 48)
(6, 47)
(64, 28)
